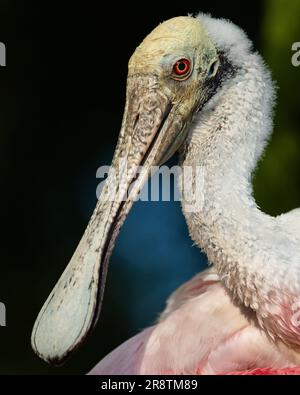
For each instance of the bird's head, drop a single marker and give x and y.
(171, 75)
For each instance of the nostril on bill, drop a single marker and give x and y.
(136, 120)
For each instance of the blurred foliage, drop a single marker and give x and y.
(277, 183)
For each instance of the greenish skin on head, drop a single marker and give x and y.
(180, 37)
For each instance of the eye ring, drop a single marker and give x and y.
(181, 69)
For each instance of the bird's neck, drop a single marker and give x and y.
(242, 242)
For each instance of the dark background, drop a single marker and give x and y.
(62, 96)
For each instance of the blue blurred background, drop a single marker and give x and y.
(62, 96)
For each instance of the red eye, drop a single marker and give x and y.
(181, 68)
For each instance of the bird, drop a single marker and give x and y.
(197, 86)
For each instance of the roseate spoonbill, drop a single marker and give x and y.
(194, 85)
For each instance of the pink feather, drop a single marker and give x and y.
(202, 331)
